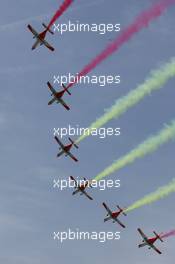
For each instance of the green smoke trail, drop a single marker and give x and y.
(160, 193)
(148, 146)
(156, 81)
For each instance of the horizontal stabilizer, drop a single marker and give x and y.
(73, 143)
(65, 89)
(122, 210)
(48, 29)
(158, 236)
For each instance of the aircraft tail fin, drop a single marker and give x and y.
(65, 89)
(158, 236)
(48, 29)
(73, 143)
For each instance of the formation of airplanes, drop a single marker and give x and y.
(41, 40)
(57, 97)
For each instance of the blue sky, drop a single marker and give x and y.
(31, 210)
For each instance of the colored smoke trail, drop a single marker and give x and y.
(148, 146)
(156, 81)
(169, 234)
(140, 22)
(60, 11)
(160, 193)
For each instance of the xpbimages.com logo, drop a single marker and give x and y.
(101, 132)
(78, 235)
(101, 28)
(102, 185)
(101, 80)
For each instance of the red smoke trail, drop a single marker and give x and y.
(171, 233)
(60, 11)
(141, 21)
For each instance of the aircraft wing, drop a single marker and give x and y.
(76, 191)
(87, 195)
(72, 178)
(72, 156)
(60, 154)
(142, 234)
(107, 209)
(51, 88)
(156, 249)
(35, 44)
(120, 223)
(48, 45)
(64, 104)
(51, 101)
(33, 30)
(59, 142)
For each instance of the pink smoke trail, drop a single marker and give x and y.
(166, 235)
(140, 22)
(60, 11)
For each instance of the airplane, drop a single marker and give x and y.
(57, 96)
(40, 37)
(82, 187)
(114, 215)
(66, 149)
(150, 241)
